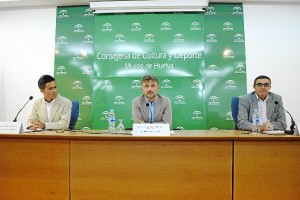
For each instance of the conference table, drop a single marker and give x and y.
(189, 164)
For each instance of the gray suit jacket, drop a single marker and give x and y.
(60, 113)
(162, 110)
(275, 114)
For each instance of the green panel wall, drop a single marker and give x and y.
(225, 62)
(199, 59)
(74, 54)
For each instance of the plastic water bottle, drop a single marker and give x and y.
(255, 119)
(111, 121)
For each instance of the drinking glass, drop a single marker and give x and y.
(121, 128)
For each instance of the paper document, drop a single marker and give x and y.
(274, 132)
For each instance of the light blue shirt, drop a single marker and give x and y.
(151, 112)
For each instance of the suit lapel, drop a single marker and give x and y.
(254, 102)
(145, 109)
(54, 109)
(157, 108)
(270, 107)
(43, 111)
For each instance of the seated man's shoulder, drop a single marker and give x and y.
(64, 99)
(274, 95)
(138, 98)
(247, 96)
(164, 98)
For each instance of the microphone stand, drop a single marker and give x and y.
(30, 98)
(293, 130)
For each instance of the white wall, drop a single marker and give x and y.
(272, 33)
(27, 42)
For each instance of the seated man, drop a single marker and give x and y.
(271, 115)
(151, 107)
(52, 111)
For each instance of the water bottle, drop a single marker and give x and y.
(255, 119)
(111, 121)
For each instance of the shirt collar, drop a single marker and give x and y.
(52, 102)
(259, 99)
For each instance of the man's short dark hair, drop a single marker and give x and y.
(44, 80)
(261, 77)
(148, 78)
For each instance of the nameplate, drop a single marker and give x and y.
(150, 130)
(11, 127)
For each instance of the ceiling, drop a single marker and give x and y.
(22, 3)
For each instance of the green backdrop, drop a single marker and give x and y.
(199, 59)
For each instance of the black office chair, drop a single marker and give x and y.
(235, 109)
(74, 114)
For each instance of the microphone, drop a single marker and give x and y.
(292, 127)
(150, 120)
(30, 98)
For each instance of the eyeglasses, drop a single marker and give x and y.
(262, 84)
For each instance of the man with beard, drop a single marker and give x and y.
(272, 116)
(52, 111)
(151, 107)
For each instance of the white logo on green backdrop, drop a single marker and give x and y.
(195, 26)
(179, 99)
(230, 84)
(211, 38)
(237, 10)
(78, 28)
(197, 83)
(210, 10)
(88, 39)
(197, 115)
(149, 37)
(227, 26)
(119, 100)
(229, 116)
(166, 83)
(88, 13)
(61, 70)
(213, 101)
(77, 85)
(136, 26)
(136, 84)
(240, 68)
(86, 101)
(107, 27)
(62, 40)
(63, 14)
(166, 26)
(87, 69)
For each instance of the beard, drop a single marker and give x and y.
(151, 95)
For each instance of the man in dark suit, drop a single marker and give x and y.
(151, 107)
(271, 115)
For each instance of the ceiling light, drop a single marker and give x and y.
(148, 6)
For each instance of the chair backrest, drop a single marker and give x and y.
(235, 109)
(74, 114)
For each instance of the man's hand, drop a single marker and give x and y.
(140, 121)
(37, 124)
(267, 126)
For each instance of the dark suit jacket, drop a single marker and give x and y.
(162, 110)
(275, 114)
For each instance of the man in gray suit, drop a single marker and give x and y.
(52, 111)
(271, 114)
(151, 107)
